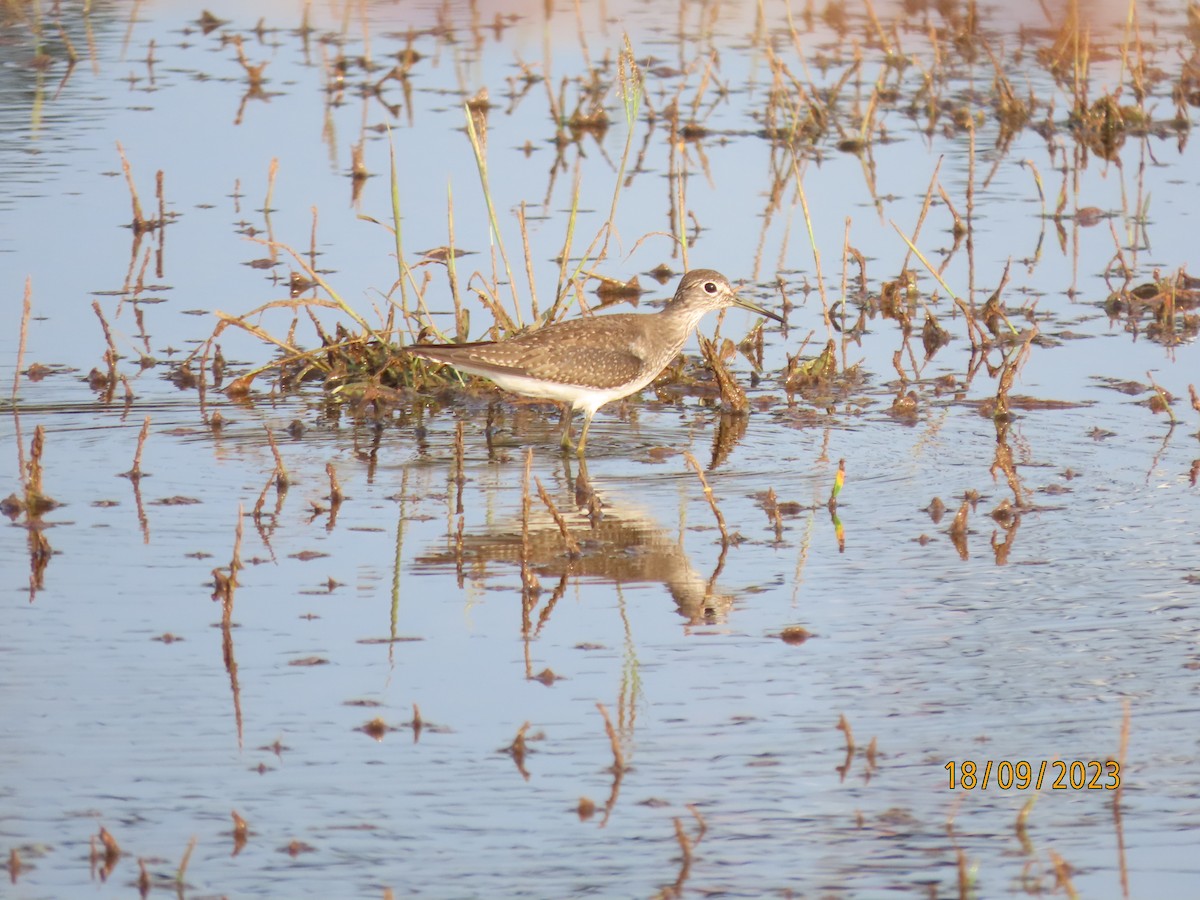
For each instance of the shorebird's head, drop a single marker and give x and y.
(702, 291)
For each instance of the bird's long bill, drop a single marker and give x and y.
(738, 300)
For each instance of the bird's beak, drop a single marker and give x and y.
(741, 301)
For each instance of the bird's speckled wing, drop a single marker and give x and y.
(595, 352)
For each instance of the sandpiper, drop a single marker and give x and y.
(586, 363)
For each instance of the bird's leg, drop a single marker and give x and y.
(587, 423)
(565, 442)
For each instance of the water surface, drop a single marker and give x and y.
(133, 705)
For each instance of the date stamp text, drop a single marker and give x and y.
(1021, 775)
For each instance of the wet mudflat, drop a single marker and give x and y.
(291, 614)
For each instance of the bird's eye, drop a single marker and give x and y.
(710, 287)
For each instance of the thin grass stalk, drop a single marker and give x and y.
(705, 77)
(139, 221)
(26, 309)
(1122, 756)
(629, 78)
(973, 329)
(569, 542)
(135, 471)
(313, 275)
(582, 32)
(586, 256)
(272, 172)
(971, 213)
(685, 846)
(845, 290)
(183, 863)
(525, 502)
(812, 238)
(461, 318)
(868, 120)
(533, 303)
(282, 479)
(481, 165)
(880, 34)
(1130, 23)
(565, 254)
(712, 500)
(614, 740)
(239, 321)
(925, 210)
(681, 201)
(398, 228)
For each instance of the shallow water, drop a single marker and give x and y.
(130, 705)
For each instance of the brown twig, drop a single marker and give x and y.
(111, 355)
(732, 394)
(517, 750)
(335, 489)
(572, 545)
(282, 479)
(241, 832)
(183, 863)
(140, 224)
(25, 312)
(618, 765)
(460, 478)
(843, 726)
(1122, 755)
(136, 472)
(708, 493)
